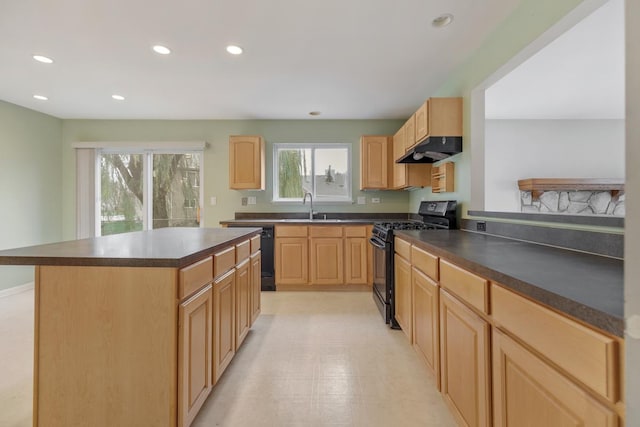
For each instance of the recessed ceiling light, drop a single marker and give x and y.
(234, 50)
(442, 20)
(118, 97)
(162, 50)
(43, 59)
(314, 113)
(41, 97)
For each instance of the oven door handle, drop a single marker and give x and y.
(377, 243)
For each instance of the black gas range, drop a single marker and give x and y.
(436, 215)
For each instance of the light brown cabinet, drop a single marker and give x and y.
(256, 285)
(224, 323)
(243, 302)
(376, 162)
(246, 162)
(292, 255)
(426, 333)
(195, 378)
(407, 175)
(525, 388)
(402, 277)
(464, 362)
(327, 255)
(422, 121)
(410, 132)
(323, 255)
(442, 178)
(356, 247)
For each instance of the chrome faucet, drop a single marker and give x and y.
(304, 199)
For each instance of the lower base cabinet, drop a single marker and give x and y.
(256, 285)
(402, 294)
(426, 333)
(224, 331)
(195, 378)
(528, 391)
(464, 361)
(243, 302)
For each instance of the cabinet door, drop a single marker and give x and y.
(399, 169)
(374, 162)
(292, 262)
(327, 261)
(246, 163)
(464, 362)
(410, 133)
(355, 257)
(224, 330)
(426, 334)
(243, 303)
(422, 121)
(256, 285)
(195, 378)
(402, 295)
(527, 391)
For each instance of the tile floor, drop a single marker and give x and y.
(311, 359)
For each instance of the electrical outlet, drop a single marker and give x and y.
(252, 200)
(244, 201)
(481, 226)
(213, 201)
(362, 200)
(375, 200)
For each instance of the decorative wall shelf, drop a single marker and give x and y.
(442, 178)
(539, 185)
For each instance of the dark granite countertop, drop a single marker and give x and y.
(584, 286)
(164, 247)
(291, 221)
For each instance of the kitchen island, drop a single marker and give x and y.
(134, 329)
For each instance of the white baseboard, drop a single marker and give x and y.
(16, 290)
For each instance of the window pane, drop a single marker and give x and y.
(176, 190)
(294, 173)
(331, 171)
(121, 193)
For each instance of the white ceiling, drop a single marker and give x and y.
(580, 75)
(355, 59)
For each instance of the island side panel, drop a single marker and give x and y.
(106, 340)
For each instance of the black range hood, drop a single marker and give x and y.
(433, 149)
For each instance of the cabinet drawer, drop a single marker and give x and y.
(402, 248)
(467, 286)
(325, 231)
(360, 231)
(195, 276)
(582, 352)
(224, 261)
(291, 231)
(243, 250)
(425, 262)
(255, 244)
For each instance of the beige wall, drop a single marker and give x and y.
(30, 184)
(632, 225)
(216, 163)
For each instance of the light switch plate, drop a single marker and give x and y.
(252, 200)
(213, 201)
(361, 200)
(244, 201)
(375, 200)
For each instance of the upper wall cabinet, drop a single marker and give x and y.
(376, 162)
(246, 162)
(437, 117)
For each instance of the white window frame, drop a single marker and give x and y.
(312, 146)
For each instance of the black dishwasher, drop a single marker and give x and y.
(267, 248)
(268, 268)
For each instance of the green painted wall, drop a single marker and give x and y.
(30, 184)
(216, 159)
(528, 21)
